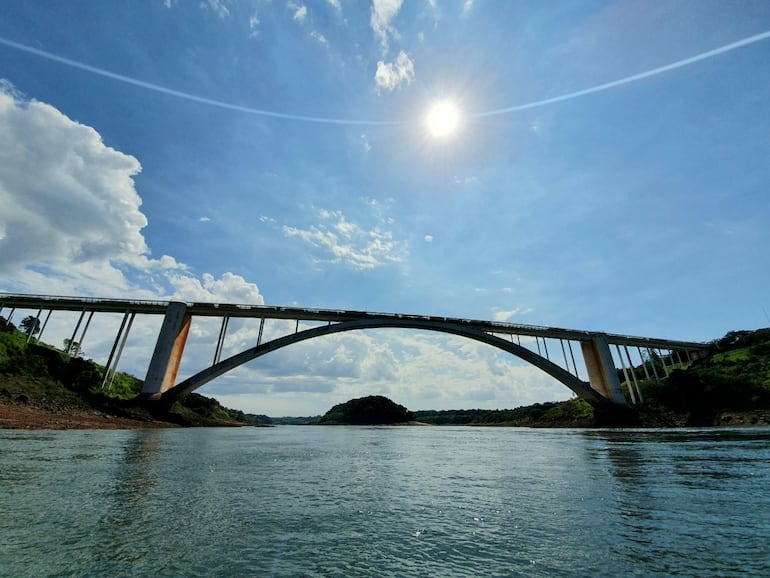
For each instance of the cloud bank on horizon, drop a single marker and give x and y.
(639, 210)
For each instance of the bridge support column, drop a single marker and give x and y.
(602, 374)
(161, 375)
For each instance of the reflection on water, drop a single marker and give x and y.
(127, 507)
(687, 499)
(304, 501)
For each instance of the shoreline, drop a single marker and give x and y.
(41, 415)
(34, 417)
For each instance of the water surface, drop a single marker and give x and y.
(385, 501)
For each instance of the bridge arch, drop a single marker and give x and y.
(581, 388)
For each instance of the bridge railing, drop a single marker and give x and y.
(204, 309)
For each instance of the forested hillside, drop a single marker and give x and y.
(736, 378)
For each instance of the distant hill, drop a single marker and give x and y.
(370, 410)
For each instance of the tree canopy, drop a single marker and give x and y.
(31, 325)
(369, 410)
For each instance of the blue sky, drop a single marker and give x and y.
(277, 152)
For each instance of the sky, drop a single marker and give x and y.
(608, 171)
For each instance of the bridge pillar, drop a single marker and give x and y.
(602, 374)
(161, 375)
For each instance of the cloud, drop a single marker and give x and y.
(428, 238)
(315, 35)
(392, 75)
(204, 219)
(218, 7)
(76, 228)
(254, 26)
(365, 142)
(349, 244)
(335, 4)
(503, 315)
(383, 12)
(229, 288)
(81, 207)
(467, 6)
(300, 11)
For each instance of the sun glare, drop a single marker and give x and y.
(443, 119)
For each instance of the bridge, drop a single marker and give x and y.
(603, 355)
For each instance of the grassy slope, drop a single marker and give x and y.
(735, 378)
(49, 378)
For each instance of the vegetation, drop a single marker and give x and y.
(288, 420)
(575, 412)
(735, 378)
(370, 410)
(56, 379)
(196, 409)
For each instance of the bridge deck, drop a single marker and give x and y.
(55, 303)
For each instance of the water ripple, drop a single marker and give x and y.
(458, 502)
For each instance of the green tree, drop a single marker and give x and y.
(72, 347)
(31, 325)
(369, 410)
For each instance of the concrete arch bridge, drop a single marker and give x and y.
(602, 354)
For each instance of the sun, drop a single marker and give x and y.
(443, 119)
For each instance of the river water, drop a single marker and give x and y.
(385, 501)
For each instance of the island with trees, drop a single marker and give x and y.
(369, 410)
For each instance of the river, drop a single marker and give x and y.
(385, 501)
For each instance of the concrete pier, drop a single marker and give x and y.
(164, 366)
(602, 374)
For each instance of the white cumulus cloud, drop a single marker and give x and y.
(81, 206)
(391, 75)
(76, 227)
(229, 288)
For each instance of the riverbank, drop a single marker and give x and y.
(23, 408)
(34, 416)
(37, 415)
